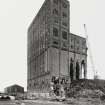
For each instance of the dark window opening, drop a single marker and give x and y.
(84, 43)
(55, 32)
(55, 20)
(55, 42)
(71, 71)
(64, 5)
(64, 35)
(64, 23)
(72, 39)
(29, 85)
(56, 1)
(55, 12)
(64, 45)
(53, 79)
(64, 15)
(77, 71)
(71, 46)
(77, 48)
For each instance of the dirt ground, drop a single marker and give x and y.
(70, 101)
(85, 101)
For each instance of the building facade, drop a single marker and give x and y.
(52, 49)
(15, 90)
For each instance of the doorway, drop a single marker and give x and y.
(77, 71)
(71, 70)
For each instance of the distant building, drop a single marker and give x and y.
(52, 50)
(15, 90)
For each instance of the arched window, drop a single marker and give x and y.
(55, 32)
(77, 71)
(83, 68)
(71, 70)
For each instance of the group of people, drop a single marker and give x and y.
(58, 86)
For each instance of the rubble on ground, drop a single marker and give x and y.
(86, 89)
(86, 92)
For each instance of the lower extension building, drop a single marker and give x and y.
(52, 50)
(15, 90)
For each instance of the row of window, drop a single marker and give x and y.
(56, 44)
(56, 33)
(64, 23)
(65, 45)
(64, 36)
(64, 14)
(39, 84)
(64, 5)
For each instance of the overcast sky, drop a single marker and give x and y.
(15, 17)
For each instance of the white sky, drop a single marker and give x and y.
(15, 17)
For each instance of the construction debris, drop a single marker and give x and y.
(86, 89)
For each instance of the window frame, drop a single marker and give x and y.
(64, 14)
(55, 12)
(56, 34)
(64, 23)
(64, 5)
(55, 2)
(63, 36)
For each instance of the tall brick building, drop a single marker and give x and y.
(52, 49)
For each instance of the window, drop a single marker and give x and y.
(83, 42)
(64, 23)
(55, 12)
(64, 45)
(71, 46)
(64, 35)
(55, 32)
(77, 41)
(55, 42)
(77, 48)
(30, 85)
(71, 39)
(56, 20)
(64, 5)
(64, 15)
(56, 1)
